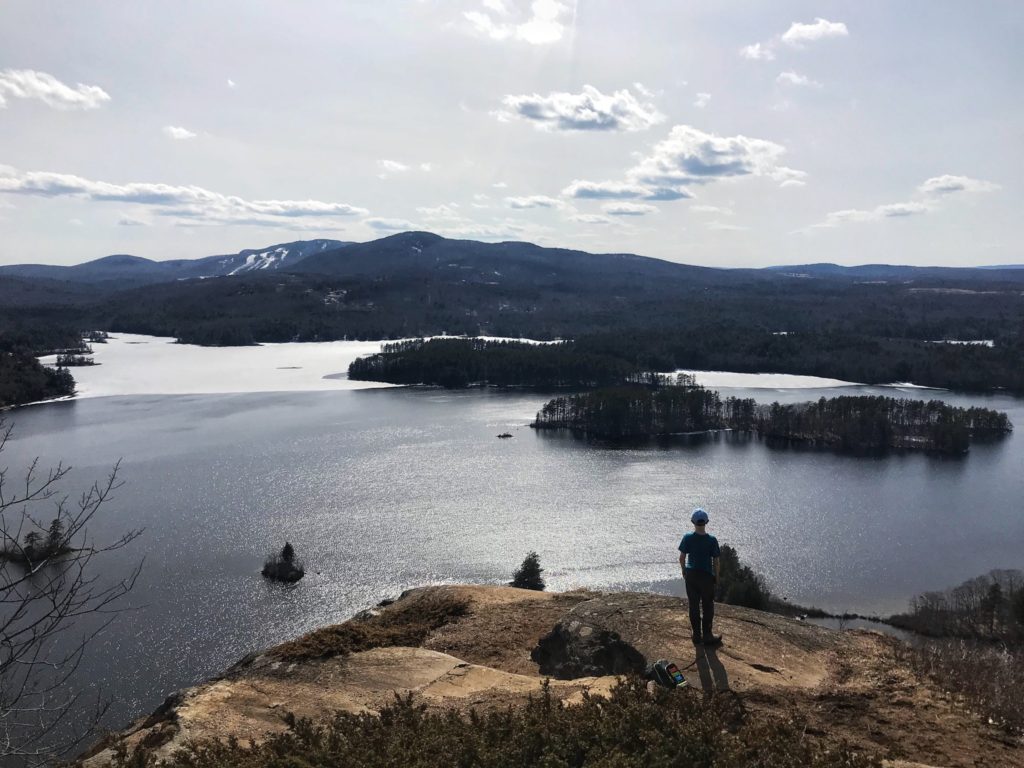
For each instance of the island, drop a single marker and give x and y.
(848, 423)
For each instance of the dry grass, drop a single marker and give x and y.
(989, 677)
(407, 622)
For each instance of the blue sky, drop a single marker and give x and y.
(717, 133)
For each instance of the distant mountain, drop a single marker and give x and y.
(122, 270)
(896, 272)
(422, 255)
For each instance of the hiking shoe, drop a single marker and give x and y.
(712, 640)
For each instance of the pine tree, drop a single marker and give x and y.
(528, 575)
(288, 553)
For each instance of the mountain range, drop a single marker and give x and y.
(425, 254)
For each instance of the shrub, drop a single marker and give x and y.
(988, 676)
(739, 585)
(630, 728)
(407, 622)
(528, 575)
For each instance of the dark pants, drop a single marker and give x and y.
(700, 594)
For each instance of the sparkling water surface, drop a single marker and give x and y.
(383, 489)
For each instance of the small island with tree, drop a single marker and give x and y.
(282, 566)
(847, 423)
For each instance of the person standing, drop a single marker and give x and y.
(700, 560)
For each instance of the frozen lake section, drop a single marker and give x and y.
(133, 364)
(728, 379)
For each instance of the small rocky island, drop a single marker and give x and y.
(282, 566)
(848, 423)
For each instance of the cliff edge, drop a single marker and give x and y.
(473, 647)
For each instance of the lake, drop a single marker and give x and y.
(383, 489)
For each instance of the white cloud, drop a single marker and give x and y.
(628, 209)
(591, 218)
(533, 201)
(188, 204)
(604, 190)
(442, 211)
(934, 189)
(30, 84)
(758, 52)
(947, 184)
(540, 22)
(712, 209)
(702, 100)
(499, 185)
(795, 78)
(795, 37)
(231, 83)
(390, 225)
(131, 221)
(178, 133)
(724, 226)
(393, 166)
(426, 167)
(819, 29)
(691, 156)
(589, 110)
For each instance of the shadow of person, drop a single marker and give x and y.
(713, 677)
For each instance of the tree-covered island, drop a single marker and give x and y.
(478, 362)
(847, 423)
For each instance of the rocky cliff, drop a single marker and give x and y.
(463, 647)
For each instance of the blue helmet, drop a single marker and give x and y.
(699, 516)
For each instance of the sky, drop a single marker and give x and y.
(709, 132)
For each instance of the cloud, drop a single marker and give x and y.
(947, 184)
(473, 231)
(390, 225)
(796, 36)
(591, 218)
(590, 110)
(724, 226)
(691, 156)
(499, 185)
(533, 201)
(178, 133)
(232, 83)
(702, 100)
(442, 211)
(819, 29)
(131, 221)
(794, 78)
(187, 204)
(30, 84)
(934, 190)
(758, 52)
(712, 209)
(628, 209)
(604, 190)
(541, 22)
(388, 167)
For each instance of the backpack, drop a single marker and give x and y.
(666, 674)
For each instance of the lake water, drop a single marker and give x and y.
(383, 489)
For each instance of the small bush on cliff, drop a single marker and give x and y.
(739, 585)
(630, 728)
(989, 676)
(528, 575)
(406, 622)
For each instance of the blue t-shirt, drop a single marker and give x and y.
(699, 548)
